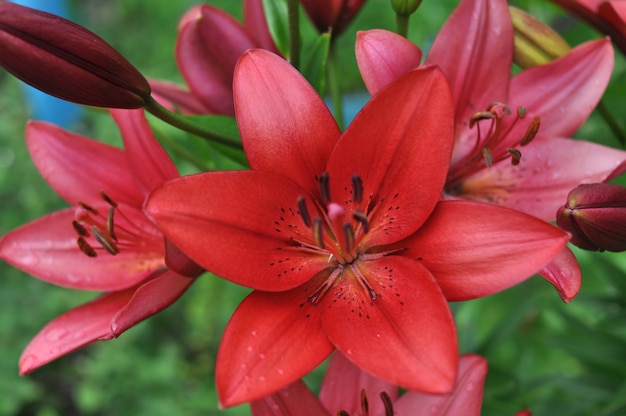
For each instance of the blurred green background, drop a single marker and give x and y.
(555, 358)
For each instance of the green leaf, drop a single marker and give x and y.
(226, 127)
(278, 22)
(314, 68)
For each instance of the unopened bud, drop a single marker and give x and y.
(535, 42)
(332, 15)
(405, 7)
(595, 216)
(66, 60)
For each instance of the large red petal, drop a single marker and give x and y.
(475, 249)
(47, 249)
(465, 400)
(149, 162)
(383, 56)
(78, 168)
(150, 298)
(342, 386)
(272, 340)
(74, 329)
(255, 22)
(563, 272)
(285, 126)
(405, 334)
(295, 399)
(564, 92)
(242, 226)
(549, 169)
(399, 145)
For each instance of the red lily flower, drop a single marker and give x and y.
(209, 43)
(338, 233)
(489, 142)
(332, 15)
(347, 390)
(104, 242)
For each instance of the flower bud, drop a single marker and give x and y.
(595, 216)
(535, 42)
(405, 7)
(66, 60)
(331, 15)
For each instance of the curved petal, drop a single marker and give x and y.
(176, 98)
(242, 226)
(285, 126)
(548, 170)
(405, 334)
(383, 56)
(295, 399)
(465, 400)
(207, 50)
(78, 168)
(74, 329)
(343, 384)
(564, 92)
(150, 298)
(475, 50)
(47, 249)
(563, 272)
(149, 162)
(399, 145)
(475, 249)
(272, 340)
(255, 22)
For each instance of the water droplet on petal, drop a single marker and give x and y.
(262, 356)
(377, 335)
(262, 379)
(280, 371)
(348, 352)
(56, 334)
(253, 333)
(250, 349)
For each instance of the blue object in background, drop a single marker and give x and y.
(43, 106)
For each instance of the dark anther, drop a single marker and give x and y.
(111, 224)
(531, 131)
(86, 248)
(357, 189)
(317, 232)
(324, 188)
(88, 207)
(481, 115)
(521, 112)
(304, 212)
(387, 403)
(362, 218)
(488, 156)
(104, 241)
(364, 403)
(343, 413)
(348, 233)
(516, 156)
(80, 230)
(108, 200)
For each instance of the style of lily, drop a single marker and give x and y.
(343, 236)
(332, 15)
(104, 242)
(347, 390)
(512, 135)
(209, 43)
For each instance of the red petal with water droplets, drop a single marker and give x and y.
(78, 168)
(272, 340)
(405, 335)
(285, 126)
(240, 226)
(475, 249)
(295, 399)
(74, 329)
(399, 145)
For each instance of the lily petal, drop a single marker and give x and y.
(176, 97)
(47, 249)
(272, 340)
(149, 162)
(384, 56)
(399, 145)
(255, 22)
(465, 400)
(252, 250)
(295, 399)
(150, 298)
(549, 169)
(285, 126)
(563, 272)
(556, 90)
(475, 249)
(74, 329)
(405, 336)
(78, 168)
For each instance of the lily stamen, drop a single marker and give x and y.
(104, 241)
(357, 189)
(304, 212)
(348, 233)
(324, 183)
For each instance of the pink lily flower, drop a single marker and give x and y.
(501, 155)
(348, 390)
(210, 42)
(343, 236)
(104, 242)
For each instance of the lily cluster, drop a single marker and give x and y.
(443, 188)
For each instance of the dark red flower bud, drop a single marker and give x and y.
(595, 216)
(331, 15)
(66, 60)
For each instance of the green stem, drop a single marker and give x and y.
(334, 87)
(188, 125)
(295, 43)
(402, 24)
(610, 120)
